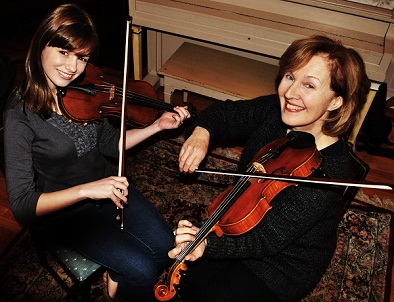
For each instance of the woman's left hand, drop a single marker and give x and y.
(168, 120)
(185, 233)
(171, 120)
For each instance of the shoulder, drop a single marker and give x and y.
(258, 106)
(260, 101)
(336, 159)
(265, 101)
(19, 121)
(262, 105)
(19, 113)
(337, 150)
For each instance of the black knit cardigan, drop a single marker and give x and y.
(292, 246)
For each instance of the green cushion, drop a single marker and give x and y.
(80, 266)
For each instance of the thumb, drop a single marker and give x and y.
(174, 252)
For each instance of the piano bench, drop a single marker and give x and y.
(216, 74)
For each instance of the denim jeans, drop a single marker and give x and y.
(133, 256)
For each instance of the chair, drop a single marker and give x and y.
(358, 170)
(80, 270)
(364, 111)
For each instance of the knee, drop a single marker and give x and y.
(140, 271)
(143, 276)
(164, 246)
(167, 239)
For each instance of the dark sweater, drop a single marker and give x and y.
(292, 246)
(49, 155)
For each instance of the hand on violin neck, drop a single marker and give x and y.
(171, 120)
(184, 234)
(168, 120)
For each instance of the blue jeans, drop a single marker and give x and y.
(134, 256)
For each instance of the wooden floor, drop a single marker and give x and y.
(381, 170)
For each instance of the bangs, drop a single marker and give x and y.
(82, 39)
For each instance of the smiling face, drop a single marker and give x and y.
(62, 66)
(306, 97)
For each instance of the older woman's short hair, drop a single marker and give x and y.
(348, 77)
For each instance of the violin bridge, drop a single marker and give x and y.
(112, 92)
(259, 167)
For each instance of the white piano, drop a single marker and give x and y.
(262, 30)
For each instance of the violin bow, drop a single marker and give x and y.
(122, 139)
(298, 179)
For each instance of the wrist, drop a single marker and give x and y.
(201, 132)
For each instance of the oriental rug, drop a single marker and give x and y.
(359, 271)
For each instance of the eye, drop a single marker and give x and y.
(84, 59)
(63, 52)
(289, 77)
(309, 86)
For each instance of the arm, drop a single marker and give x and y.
(113, 187)
(168, 120)
(221, 121)
(194, 150)
(21, 151)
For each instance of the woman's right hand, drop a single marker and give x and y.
(194, 150)
(113, 187)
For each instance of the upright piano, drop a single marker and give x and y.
(262, 30)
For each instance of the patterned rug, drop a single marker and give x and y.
(360, 269)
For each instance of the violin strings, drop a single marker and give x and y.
(208, 225)
(225, 204)
(105, 88)
(243, 180)
(211, 221)
(142, 99)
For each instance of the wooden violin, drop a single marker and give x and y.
(90, 98)
(242, 206)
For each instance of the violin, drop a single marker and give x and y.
(90, 98)
(242, 206)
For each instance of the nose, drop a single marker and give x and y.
(292, 91)
(71, 64)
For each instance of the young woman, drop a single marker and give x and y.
(322, 89)
(58, 174)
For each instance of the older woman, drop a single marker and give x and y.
(322, 89)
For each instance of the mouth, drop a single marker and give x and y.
(65, 76)
(293, 108)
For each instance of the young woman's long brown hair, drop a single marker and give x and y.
(69, 28)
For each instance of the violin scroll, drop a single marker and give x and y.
(165, 292)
